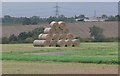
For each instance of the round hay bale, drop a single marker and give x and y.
(55, 37)
(62, 24)
(63, 36)
(69, 36)
(61, 43)
(65, 30)
(40, 43)
(58, 31)
(68, 42)
(49, 30)
(54, 25)
(47, 37)
(75, 42)
(53, 43)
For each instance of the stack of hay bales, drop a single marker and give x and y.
(57, 35)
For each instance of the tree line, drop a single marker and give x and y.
(34, 20)
(96, 35)
(23, 37)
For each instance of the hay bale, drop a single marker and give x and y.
(41, 43)
(49, 30)
(65, 30)
(55, 37)
(62, 36)
(62, 24)
(68, 42)
(54, 25)
(75, 42)
(61, 43)
(69, 36)
(58, 31)
(47, 37)
(53, 43)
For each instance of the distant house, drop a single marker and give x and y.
(79, 19)
(91, 19)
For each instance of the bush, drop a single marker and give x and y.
(96, 33)
(29, 40)
(5, 40)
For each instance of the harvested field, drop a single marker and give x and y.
(15, 67)
(99, 53)
(49, 53)
(78, 29)
(88, 58)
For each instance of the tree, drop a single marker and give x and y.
(96, 33)
(29, 40)
(82, 16)
(26, 21)
(117, 17)
(111, 18)
(34, 20)
(22, 36)
(34, 33)
(13, 38)
(7, 19)
(104, 16)
(5, 40)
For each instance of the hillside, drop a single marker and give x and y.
(79, 29)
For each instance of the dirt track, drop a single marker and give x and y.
(15, 67)
(78, 29)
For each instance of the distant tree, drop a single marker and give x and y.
(26, 21)
(81, 16)
(13, 38)
(96, 33)
(50, 19)
(111, 18)
(36, 32)
(22, 36)
(117, 17)
(7, 19)
(104, 16)
(29, 40)
(5, 40)
(34, 20)
(75, 17)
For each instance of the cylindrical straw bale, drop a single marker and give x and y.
(75, 42)
(54, 24)
(40, 43)
(62, 24)
(47, 37)
(65, 30)
(55, 37)
(62, 36)
(49, 30)
(61, 43)
(53, 43)
(59, 31)
(68, 42)
(69, 36)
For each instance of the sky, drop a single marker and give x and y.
(69, 9)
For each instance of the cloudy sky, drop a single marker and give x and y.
(46, 9)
